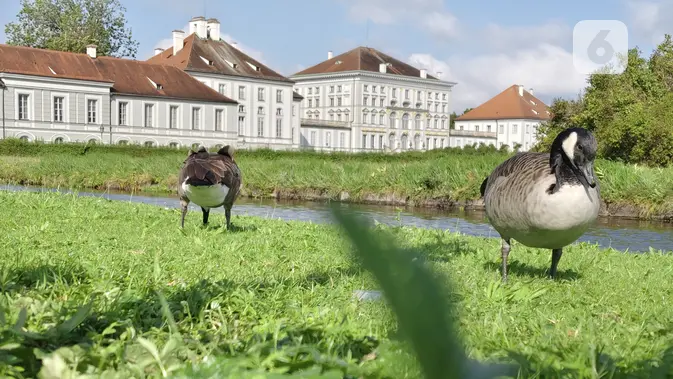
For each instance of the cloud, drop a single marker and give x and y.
(546, 68)
(431, 15)
(649, 19)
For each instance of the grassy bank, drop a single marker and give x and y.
(275, 295)
(437, 178)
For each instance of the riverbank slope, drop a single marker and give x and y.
(442, 179)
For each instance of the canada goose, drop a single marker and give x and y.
(210, 180)
(545, 200)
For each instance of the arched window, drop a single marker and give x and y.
(393, 116)
(405, 142)
(417, 122)
(405, 121)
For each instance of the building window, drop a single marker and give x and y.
(196, 118)
(406, 94)
(218, 119)
(436, 124)
(149, 119)
(279, 111)
(476, 128)
(381, 142)
(123, 113)
(364, 141)
(279, 96)
(488, 128)
(527, 128)
(310, 90)
(58, 109)
(279, 127)
(328, 139)
(338, 88)
(241, 109)
(223, 88)
(260, 94)
(173, 117)
(417, 122)
(502, 129)
(405, 121)
(342, 139)
(91, 110)
(312, 140)
(514, 127)
(23, 107)
(382, 119)
(365, 117)
(241, 93)
(331, 101)
(339, 101)
(294, 110)
(260, 127)
(260, 110)
(310, 103)
(372, 140)
(317, 102)
(392, 120)
(366, 87)
(381, 102)
(149, 143)
(241, 125)
(444, 124)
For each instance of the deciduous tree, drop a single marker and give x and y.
(71, 25)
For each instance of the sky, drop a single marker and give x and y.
(484, 46)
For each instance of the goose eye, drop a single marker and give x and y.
(579, 147)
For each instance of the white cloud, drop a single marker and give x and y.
(431, 15)
(650, 19)
(547, 68)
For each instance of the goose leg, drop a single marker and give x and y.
(183, 208)
(206, 213)
(227, 214)
(505, 253)
(555, 258)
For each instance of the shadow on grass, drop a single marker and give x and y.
(443, 252)
(522, 269)
(32, 277)
(214, 317)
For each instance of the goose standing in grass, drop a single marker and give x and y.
(545, 200)
(209, 180)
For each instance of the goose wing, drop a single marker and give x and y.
(524, 167)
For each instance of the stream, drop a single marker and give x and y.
(621, 234)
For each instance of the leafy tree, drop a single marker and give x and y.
(629, 113)
(71, 25)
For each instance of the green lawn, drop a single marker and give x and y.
(277, 295)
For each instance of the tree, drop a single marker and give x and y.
(71, 25)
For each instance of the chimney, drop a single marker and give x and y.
(424, 73)
(530, 90)
(382, 68)
(178, 41)
(520, 90)
(198, 25)
(91, 51)
(439, 75)
(213, 29)
(158, 51)
(329, 54)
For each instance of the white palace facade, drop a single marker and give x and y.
(59, 97)
(365, 100)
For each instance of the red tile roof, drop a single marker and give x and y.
(220, 53)
(508, 104)
(363, 59)
(129, 77)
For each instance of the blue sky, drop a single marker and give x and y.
(484, 45)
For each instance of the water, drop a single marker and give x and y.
(620, 234)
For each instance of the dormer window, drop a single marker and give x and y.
(156, 85)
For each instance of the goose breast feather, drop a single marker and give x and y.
(520, 205)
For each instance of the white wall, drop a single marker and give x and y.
(75, 126)
(496, 132)
(249, 105)
(185, 132)
(364, 93)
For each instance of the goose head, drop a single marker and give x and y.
(574, 148)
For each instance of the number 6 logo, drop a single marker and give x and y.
(600, 45)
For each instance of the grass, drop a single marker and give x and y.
(435, 178)
(82, 279)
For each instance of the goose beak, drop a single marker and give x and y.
(587, 176)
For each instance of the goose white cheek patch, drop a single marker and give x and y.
(569, 145)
